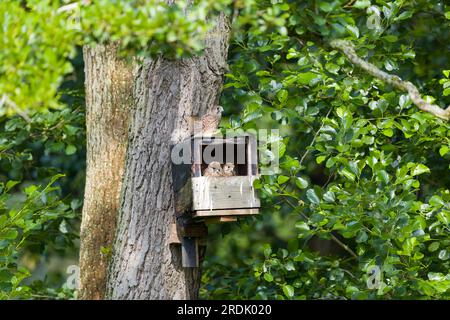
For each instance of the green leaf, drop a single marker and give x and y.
(436, 201)
(312, 196)
(267, 250)
(63, 227)
(290, 266)
(367, 140)
(353, 30)
(383, 176)
(443, 255)
(70, 149)
(388, 132)
(306, 78)
(329, 196)
(302, 226)
(419, 169)
(10, 184)
(361, 237)
(433, 246)
(288, 291)
(268, 277)
(301, 183)
(282, 95)
(320, 159)
(362, 4)
(346, 173)
(10, 234)
(444, 150)
(282, 179)
(408, 246)
(405, 15)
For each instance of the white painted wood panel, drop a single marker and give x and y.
(210, 193)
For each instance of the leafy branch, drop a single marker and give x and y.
(348, 49)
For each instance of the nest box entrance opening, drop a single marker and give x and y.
(239, 152)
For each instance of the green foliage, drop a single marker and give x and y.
(37, 220)
(38, 38)
(363, 182)
(363, 172)
(38, 213)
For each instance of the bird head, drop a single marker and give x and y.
(215, 166)
(228, 167)
(215, 110)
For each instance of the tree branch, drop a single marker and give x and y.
(347, 48)
(333, 237)
(7, 101)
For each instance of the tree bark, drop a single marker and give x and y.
(109, 98)
(167, 95)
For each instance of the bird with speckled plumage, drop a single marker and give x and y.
(214, 169)
(229, 169)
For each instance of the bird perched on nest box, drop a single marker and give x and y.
(210, 121)
(228, 169)
(214, 169)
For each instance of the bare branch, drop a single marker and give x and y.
(347, 48)
(73, 6)
(8, 102)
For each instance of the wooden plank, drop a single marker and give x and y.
(229, 212)
(194, 230)
(220, 140)
(252, 156)
(220, 219)
(174, 237)
(189, 253)
(183, 199)
(197, 157)
(211, 193)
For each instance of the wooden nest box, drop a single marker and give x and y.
(216, 198)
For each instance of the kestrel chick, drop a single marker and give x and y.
(214, 169)
(211, 121)
(228, 169)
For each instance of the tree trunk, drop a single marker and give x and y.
(167, 93)
(109, 97)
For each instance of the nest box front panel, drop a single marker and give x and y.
(215, 193)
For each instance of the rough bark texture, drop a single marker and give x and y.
(168, 93)
(109, 97)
